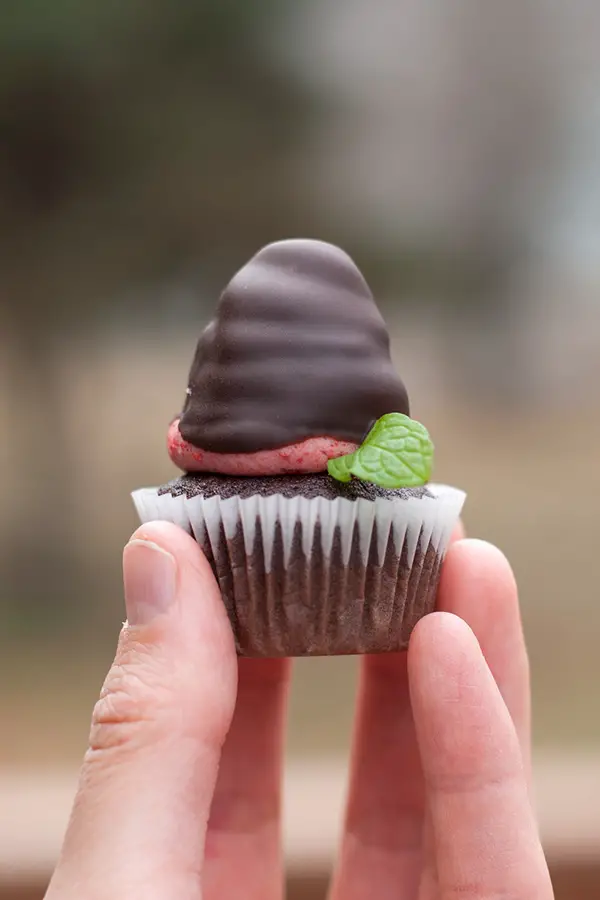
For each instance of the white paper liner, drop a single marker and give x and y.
(316, 576)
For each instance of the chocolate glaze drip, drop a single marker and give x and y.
(297, 349)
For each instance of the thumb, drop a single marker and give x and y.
(139, 820)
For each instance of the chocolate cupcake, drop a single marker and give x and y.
(306, 481)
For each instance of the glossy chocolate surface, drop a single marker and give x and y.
(297, 349)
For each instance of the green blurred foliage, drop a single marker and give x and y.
(144, 140)
(137, 138)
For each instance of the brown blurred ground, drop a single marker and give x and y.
(570, 883)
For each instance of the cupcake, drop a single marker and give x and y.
(306, 481)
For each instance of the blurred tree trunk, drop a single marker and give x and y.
(39, 551)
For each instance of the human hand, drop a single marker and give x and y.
(180, 790)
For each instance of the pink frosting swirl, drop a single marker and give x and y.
(304, 457)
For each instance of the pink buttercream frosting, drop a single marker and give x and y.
(310, 455)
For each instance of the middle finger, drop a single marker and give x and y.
(243, 854)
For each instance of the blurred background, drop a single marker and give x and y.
(147, 151)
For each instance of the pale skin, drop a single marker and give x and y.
(180, 790)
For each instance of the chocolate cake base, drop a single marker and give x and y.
(315, 606)
(311, 567)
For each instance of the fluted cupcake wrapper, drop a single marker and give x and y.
(315, 577)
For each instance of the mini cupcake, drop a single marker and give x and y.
(306, 480)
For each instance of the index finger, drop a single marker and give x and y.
(243, 844)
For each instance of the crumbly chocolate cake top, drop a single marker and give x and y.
(308, 486)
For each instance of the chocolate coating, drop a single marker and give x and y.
(297, 349)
